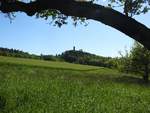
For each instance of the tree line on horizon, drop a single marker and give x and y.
(135, 61)
(16, 53)
(71, 56)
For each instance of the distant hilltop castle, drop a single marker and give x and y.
(74, 49)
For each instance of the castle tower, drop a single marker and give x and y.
(74, 48)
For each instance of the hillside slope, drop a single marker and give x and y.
(42, 63)
(32, 86)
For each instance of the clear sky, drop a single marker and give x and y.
(37, 36)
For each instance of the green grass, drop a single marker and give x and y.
(32, 86)
(51, 64)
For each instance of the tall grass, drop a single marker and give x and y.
(35, 89)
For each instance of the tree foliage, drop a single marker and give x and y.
(132, 7)
(129, 8)
(140, 57)
(81, 57)
(16, 53)
(137, 61)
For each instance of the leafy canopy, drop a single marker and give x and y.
(128, 7)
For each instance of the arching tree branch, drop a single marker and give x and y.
(108, 16)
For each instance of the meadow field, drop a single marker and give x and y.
(35, 86)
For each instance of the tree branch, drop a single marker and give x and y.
(108, 16)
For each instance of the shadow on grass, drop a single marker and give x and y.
(122, 79)
(49, 67)
(126, 79)
(86, 70)
(104, 77)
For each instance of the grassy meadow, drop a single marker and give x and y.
(34, 86)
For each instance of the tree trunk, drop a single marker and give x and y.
(146, 73)
(108, 16)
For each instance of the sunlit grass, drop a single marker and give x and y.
(52, 64)
(30, 86)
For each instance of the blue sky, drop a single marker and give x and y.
(37, 36)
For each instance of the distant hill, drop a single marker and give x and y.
(71, 56)
(81, 57)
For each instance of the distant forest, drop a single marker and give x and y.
(72, 56)
(16, 53)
